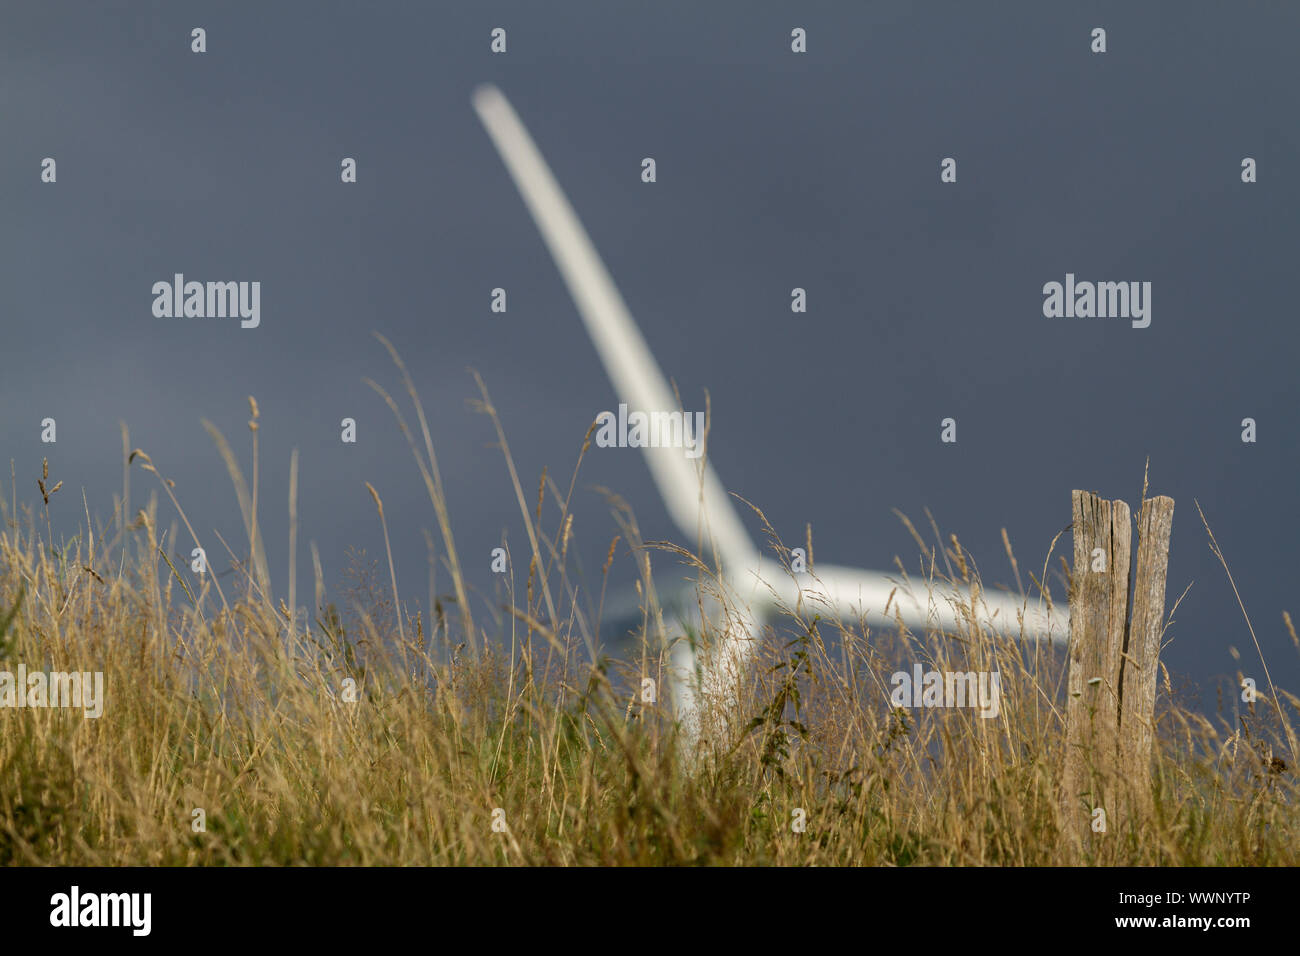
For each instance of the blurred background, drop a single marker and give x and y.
(775, 170)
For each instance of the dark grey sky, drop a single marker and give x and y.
(774, 171)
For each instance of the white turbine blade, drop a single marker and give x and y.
(691, 491)
(695, 498)
(881, 599)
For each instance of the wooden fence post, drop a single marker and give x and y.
(1113, 661)
(1098, 611)
(1142, 655)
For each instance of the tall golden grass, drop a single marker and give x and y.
(221, 700)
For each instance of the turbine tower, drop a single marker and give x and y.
(755, 586)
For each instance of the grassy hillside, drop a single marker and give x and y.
(371, 734)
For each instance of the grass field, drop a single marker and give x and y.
(373, 734)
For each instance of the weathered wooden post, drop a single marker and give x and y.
(1098, 613)
(1113, 661)
(1142, 654)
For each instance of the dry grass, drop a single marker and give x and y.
(226, 703)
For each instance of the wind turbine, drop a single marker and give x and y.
(756, 586)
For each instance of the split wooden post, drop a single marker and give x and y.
(1113, 661)
(1142, 656)
(1098, 613)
